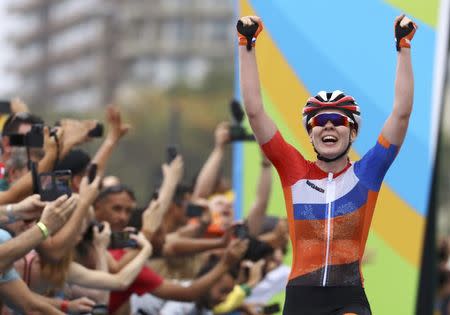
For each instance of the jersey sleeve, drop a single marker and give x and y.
(289, 163)
(374, 165)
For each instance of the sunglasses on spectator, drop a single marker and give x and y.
(336, 119)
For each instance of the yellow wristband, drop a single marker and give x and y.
(43, 229)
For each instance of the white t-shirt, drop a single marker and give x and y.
(274, 282)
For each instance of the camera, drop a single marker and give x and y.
(241, 231)
(271, 309)
(89, 234)
(92, 172)
(5, 107)
(122, 240)
(97, 131)
(237, 131)
(52, 185)
(256, 249)
(33, 138)
(194, 210)
(172, 153)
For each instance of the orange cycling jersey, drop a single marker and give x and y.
(329, 214)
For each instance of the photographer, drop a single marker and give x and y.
(18, 123)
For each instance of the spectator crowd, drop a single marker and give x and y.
(74, 241)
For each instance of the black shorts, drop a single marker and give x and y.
(309, 300)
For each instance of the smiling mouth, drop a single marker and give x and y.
(329, 139)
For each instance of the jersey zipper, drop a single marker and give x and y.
(331, 192)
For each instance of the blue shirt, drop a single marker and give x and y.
(10, 274)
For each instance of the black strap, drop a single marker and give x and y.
(401, 32)
(248, 31)
(58, 149)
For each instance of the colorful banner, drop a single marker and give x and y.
(308, 46)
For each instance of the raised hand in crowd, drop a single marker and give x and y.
(102, 238)
(234, 252)
(174, 170)
(117, 129)
(28, 209)
(172, 174)
(222, 135)
(75, 133)
(197, 227)
(150, 223)
(89, 191)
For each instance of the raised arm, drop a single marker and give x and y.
(117, 129)
(394, 129)
(263, 126)
(257, 213)
(210, 171)
(154, 214)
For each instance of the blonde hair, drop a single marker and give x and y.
(56, 273)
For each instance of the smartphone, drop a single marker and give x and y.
(122, 240)
(97, 131)
(171, 153)
(241, 231)
(271, 309)
(194, 210)
(54, 184)
(92, 172)
(5, 107)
